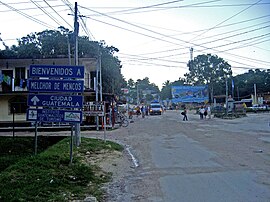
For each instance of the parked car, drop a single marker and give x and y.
(155, 109)
(258, 107)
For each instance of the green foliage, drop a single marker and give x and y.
(143, 89)
(166, 91)
(244, 83)
(49, 176)
(208, 69)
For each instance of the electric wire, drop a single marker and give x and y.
(27, 16)
(195, 5)
(45, 12)
(238, 13)
(57, 13)
(205, 48)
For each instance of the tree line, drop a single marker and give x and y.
(205, 69)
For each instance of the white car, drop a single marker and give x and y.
(155, 108)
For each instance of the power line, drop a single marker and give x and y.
(144, 7)
(46, 13)
(219, 38)
(226, 20)
(29, 8)
(204, 6)
(26, 15)
(234, 35)
(159, 8)
(57, 13)
(236, 30)
(205, 48)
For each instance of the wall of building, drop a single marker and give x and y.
(6, 114)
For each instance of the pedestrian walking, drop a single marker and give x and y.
(201, 112)
(205, 112)
(209, 111)
(143, 111)
(184, 113)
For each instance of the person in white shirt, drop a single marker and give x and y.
(201, 111)
(209, 111)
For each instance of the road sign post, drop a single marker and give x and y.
(52, 89)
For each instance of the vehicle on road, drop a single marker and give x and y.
(155, 109)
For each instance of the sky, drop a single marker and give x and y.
(154, 37)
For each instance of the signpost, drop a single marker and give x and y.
(65, 107)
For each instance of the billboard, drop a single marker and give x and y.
(196, 94)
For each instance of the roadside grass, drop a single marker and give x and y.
(49, 176)
(14, 149)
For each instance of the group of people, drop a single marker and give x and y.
(143, 110)
(204, 111)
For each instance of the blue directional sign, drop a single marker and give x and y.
(55, 100)
(48, 85)
(50, 115)
(55, 71)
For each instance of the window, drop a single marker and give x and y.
(7, 81)
(20, 77)
(18, 105)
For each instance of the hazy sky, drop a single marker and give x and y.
(154, 37)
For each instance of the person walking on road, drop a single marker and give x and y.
(205, 112)
(184, 113)
(143, 111)
(201, 112)
(209, 111)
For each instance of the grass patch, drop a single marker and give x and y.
(49, 176)
(14, 149)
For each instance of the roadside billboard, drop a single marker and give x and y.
(190, 94)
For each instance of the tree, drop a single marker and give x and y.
(208, 69)
(244, 83)
(166, 91)
(130, 84)
(112, 78)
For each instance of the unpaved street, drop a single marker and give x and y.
(198, 160)
(169, 160)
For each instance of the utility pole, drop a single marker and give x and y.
(96, 79)
(255, 94)
(238, 94)
(69, 58)
(226, 96)
(76, 32)
(191, 54)
(138, 95)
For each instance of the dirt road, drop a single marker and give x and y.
(195, 160)
(167, 159)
